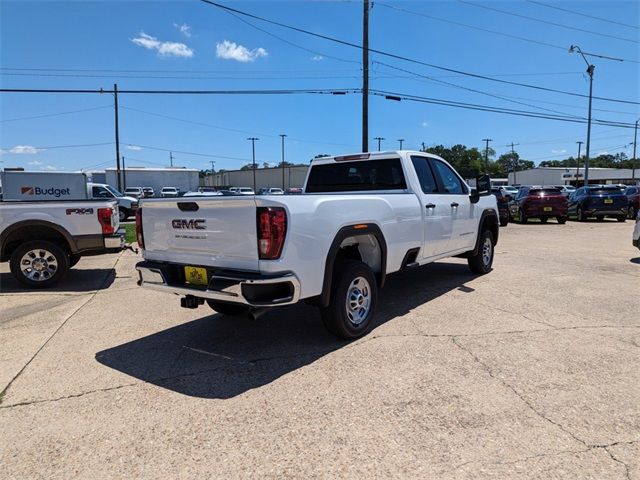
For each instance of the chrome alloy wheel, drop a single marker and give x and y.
(487, 252)
(38, 265)
(358, 302)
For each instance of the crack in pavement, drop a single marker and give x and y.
(55, 332)
(613, 457)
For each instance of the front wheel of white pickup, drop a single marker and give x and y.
(354, 295)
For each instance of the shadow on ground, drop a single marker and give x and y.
(76, 280)
(635, 260)
(221, 357)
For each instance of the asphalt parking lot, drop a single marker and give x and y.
(532, 371)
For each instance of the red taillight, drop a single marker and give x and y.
(105, 217)
(139, 235)
(272, 227)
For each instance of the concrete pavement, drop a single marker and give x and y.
(531, 371)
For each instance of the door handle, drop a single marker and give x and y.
(430, 205)
(454, 204)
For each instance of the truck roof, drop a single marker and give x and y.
(367, 156)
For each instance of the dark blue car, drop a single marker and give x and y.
(598, 201)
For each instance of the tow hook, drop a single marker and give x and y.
(191, 302)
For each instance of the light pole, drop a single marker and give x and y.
(633, 160)
(578, 162)
(401, 140)
(514, 163)
(590, 69)
(379, 139)
(486, 153)
(253, 152)
(282, 135)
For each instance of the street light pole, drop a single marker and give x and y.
(401, 140)
(282, 135)
(117, 128)
(514, 162)
(365, 76)
(379, 139)
(590, 69)
(633, 160)
(578, 162)
(253, 152)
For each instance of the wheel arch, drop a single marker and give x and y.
(488, 220)
(353, 232)
(34, 230)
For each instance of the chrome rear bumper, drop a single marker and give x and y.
(231, 287)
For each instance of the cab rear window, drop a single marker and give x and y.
(545, 191)
(605, 191)
(357, 176)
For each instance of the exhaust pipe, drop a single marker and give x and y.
(256, 313)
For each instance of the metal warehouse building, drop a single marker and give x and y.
(185, 179)
(265, 177)
(567, 176)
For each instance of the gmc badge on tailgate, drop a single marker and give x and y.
(184, 224)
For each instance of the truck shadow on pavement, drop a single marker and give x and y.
(221, 357)
(76, 280)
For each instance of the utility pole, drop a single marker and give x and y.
(115, 103)
(282, 135)
(578, 162)
(486, 153)
(424, 148)
(253, 151)
(514, 161)
(213, 163)
(124, 175)
(590, 70)
(365, 76)
(633, 160)
(379, 139)
(171, 158)
(401, 140)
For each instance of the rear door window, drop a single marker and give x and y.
(385, 174)
(425, 175)
(450, 181)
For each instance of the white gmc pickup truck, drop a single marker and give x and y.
(42, 240)
(361, 217)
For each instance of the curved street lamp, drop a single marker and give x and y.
(590, 69)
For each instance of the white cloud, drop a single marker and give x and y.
(134, 147)
(164, 49)
(232, 51)
(51, 168)
(556, 152)
(602, 152)
(425, 124)
(317, 58)
(35, 162)
(23, 150)
(184, 29)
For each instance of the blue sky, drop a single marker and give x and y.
(195, 46)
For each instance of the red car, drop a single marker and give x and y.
(539, 202)
(633, 195)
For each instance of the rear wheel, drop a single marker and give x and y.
(354, 294)
(39, 264)
(523, 217)
(504, 221)
(633, 212)
(600, 218)
(561, 220)
(230, 309)
(544, 219)
(622, 218)
(482, 261)
(123, 214)
(580, 215)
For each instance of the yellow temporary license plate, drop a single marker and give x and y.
(547, 209)
(196, 275)
(608, 200)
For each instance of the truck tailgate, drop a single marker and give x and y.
(217, 232)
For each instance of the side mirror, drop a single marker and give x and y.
(483, 185)
(474, 196)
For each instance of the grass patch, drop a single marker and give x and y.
(130, 233)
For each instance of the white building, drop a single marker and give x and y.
(567, 176)
(265, 177)
(185, 179)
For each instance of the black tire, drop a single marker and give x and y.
(600, 218)
(523, 217)
(622, 218)
(48, 254)
(580, 215)
(73, 260)
(544, 219)
(478, 263)
(633, 212)
(230, 309)
(349, 289)
(123, 214)
(504, 221)
(561, 220)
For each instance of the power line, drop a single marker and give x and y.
(584, 14)
(407, 59)
(318, 91)
(197, 154)
(527, 17)
(55, 114)
(7, 150)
